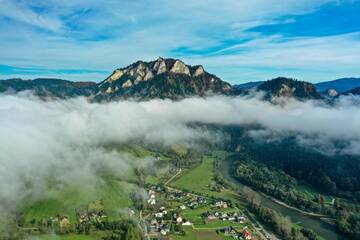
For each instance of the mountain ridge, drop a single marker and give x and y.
(355, 91)
(340, 85)
(48, 87)
(288, 87)
(163, 78)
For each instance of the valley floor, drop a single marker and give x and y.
(183, 204)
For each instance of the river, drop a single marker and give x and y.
(323, 229)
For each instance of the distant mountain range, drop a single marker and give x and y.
(355, 91)
(341, 85)
(49, 87)
(248, 85)
(173, 79)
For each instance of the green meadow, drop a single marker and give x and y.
(192, 234)
(113, 194)
(200, 179)
(197, 179)
(93, 236)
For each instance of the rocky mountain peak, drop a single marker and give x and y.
(163, 78)
(115, 75)
(199, 71)
(159, 66)
(145, 71)
(180, 67)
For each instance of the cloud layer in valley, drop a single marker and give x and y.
(64, 139)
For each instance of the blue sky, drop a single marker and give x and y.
(240, 41)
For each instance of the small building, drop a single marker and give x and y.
(212, 217)
(224, 216)
(179, 219)
(131, 212)
(64, 222)
(152, 201)
(247, 235)
(159, 215)
(163, 232)
(229, 230)
(187, 223)
(154, 226)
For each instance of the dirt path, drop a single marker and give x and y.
(173, 177)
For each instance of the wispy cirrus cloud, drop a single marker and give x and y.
(308, 58)
(25, 12)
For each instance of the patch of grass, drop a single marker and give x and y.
(312, 193)
(153, 180)
(195, 216)
(204, 234)
(200, 178)
(219, 224)
(178, 149)
(197, 235)
(139, 151)
(220, 154)
(93, 236)
(116, 196)
(197, 179)
(113, 194)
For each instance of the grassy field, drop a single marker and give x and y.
(200, 178)
(93, 236)
(197, 235)
(197, 179)
(114, 195)
(140, 152)
(313, 193)
(194, 216)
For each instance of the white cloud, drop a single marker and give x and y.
(21, 11)
(65, 138)
(307, 58)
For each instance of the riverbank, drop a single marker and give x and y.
(303, 218)
(294, 208)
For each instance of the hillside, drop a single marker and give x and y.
(287, 87)
(163, 78)
(48, 87)
(341, 85)
(355, 91)
(247, 85)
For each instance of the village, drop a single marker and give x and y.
(190, 210)
(91, 216)
(165, 210)
(161, 219)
